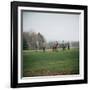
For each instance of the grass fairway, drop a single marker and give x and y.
(50, 63)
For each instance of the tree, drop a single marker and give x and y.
(25, 45)
(33, 40)
(41, 40)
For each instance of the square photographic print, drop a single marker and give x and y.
(49, 44)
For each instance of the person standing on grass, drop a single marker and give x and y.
(44, 46)
(55, 46)
(63, 45)
(68, 44)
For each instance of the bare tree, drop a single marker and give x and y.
(34, 40)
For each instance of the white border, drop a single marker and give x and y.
(58, 77)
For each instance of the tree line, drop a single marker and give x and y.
(36, 41)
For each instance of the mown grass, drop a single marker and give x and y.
(50, 63)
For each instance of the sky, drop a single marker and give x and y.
(53, 26)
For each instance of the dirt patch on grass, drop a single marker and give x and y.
(47, 73)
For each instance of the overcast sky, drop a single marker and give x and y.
(54, 27)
